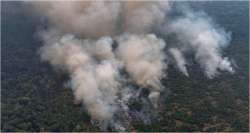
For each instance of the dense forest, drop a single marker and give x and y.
(33, 97)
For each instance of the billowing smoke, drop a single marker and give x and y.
(92, 68)
(143, 59)
(111, 53)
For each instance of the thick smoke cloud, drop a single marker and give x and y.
(102, 18)
(105, 45)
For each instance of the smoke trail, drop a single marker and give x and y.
(105, 46)
(198, 32)
(180, 60)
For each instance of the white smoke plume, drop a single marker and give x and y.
(198, 32)
(106, 45)
(180, 60)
